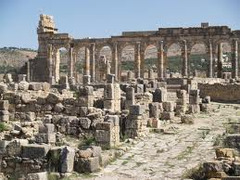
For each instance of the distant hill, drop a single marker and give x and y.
(12, 58)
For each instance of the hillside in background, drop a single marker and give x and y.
(12, 58)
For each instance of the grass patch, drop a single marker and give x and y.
(238, 113)
(124, 162)
(186, 152)
(3, 127)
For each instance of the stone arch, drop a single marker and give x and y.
(60, 61)
(79, 63)
(173, 56)
(150, 61)
(103, 62)
(224, 65)
(198, 59)
(127, 60)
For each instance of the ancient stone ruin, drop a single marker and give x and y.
(56, 125)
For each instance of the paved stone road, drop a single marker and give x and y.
(168, 156)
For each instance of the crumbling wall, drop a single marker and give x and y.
(221, 92)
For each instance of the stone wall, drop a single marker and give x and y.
(221, 92)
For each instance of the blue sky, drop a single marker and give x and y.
(104, 18)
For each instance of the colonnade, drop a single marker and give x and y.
(139, 50)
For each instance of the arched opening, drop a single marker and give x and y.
(198, 61)
(223, 63)
(174, 61)
(63, 55)
(79, 64)
(103, 65)
(126, 67)
(60, 63)
(150, 61)
(226, 57)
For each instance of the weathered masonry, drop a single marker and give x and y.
(45, 67)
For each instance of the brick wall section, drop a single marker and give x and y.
(220, 92)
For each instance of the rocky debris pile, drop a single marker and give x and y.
(63, 130)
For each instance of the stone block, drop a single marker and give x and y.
(59, 107)
(4, 105)
(169, 106)
(187, 119)
(130, 93)
(194, 92)
(114, 119)
(194, 108)
(110, 78)
(46, 86)
(34, 151)
(133, 124)
(87, 165)
(45, 138)
(206, 100)
(67, 160)
(224, 153)
(109, 104)
(54, 98)
(86, 79)
(236, 167)
(30, 116)
(54, 156)
(205, 107)
(85, 122)
(46, 128)
(102, 136)
(156, 123)
(136, 110)
(109, 92)
(139, 88)
(167, 115)
(23, 86)
(155, 109)
(83, 111)
(35, 86)
(3, 145)
(96, 151)
(160, 95)
(4, 116)
(85, 90)
(181, 109)
(37, 176)
(87, 153)
(194, 100)
(107, 126)
(14, 148)
(232, 141)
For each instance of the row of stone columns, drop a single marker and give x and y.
(90, 61)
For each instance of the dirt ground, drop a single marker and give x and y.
(169, 156)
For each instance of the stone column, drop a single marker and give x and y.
(70, 62)
(56, 66)
(142, 65)
(219, 65)
(87, 62)
(235, 59)
(161, 61)
(137, 58)
(210, 70)
(93, 63)
(185, 60)
(50, 63)
(74, 64)
(114, 67)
